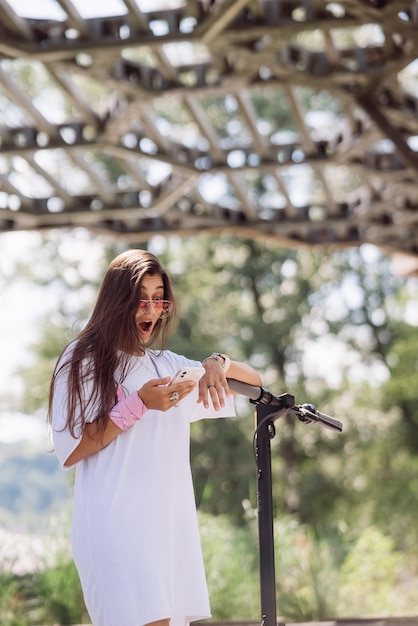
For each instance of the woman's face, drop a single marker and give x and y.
(152, 305)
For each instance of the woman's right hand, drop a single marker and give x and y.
(156, 393)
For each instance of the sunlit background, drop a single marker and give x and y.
(262, 149)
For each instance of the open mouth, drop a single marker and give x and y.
(145, 326)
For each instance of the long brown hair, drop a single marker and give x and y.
(109, 338)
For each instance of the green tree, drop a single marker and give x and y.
(401, 389)
(70, 280)
(267, 306)
(273, 308)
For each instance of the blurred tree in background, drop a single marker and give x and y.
(334, 329)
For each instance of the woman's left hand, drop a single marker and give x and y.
(213, 385)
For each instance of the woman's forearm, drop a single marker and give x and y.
(93, 441)
(244, 373)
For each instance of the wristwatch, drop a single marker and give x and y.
(223, 359)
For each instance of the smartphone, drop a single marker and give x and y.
(188, 373)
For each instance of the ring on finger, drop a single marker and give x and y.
(174, 396)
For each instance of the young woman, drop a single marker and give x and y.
(116, 419)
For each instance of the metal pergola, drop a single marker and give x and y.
(290, 119)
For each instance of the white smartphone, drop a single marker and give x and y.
(188, 373)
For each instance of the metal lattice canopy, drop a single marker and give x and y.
(293, 119)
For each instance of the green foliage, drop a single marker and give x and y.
(270, 106)
(306, 572)
(270, 307)
(345, 505)
(375, 577)
(71, 283)
(239, 297)
(13, 608)
(61, 596)
(224, 475)
(50, 596)
(37, 379)
(401, 389)
(231, 556)
(339, 574)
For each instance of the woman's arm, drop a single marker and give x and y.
(244, 373)
(93, 441)
(154, 394)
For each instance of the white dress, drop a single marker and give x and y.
(135, 536)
